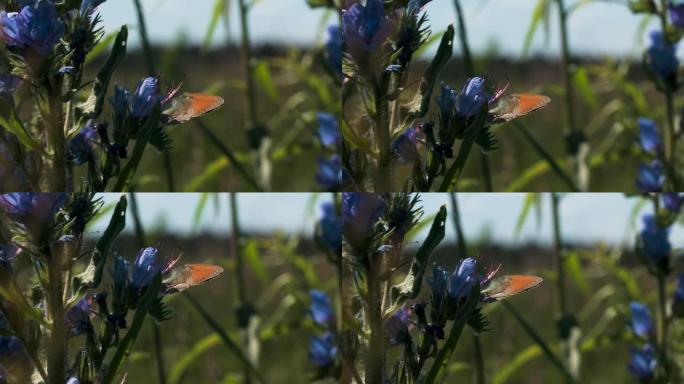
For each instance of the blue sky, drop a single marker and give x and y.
(598, 28)
(586, 217)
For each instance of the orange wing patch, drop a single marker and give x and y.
(509, 285)
(190, 105)
(518, 104)
(190, 275)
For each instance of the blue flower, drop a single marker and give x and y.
(89, 6)
(7, 254)
(77, 318)
(25, 206)
(119, 103)
(322, 349)
(438, 283)
(650, 177)
(471, 98)
(329, 174)
(643, 362)
(661, 56)
(396, 327)
(414, 6)
(672, 201)
(8, 83)
(36, 26)
(679, 291)
(649, 137)
(145, 267)
(446, 101)
(321, 309)
(463, 279)
(360, 212)
(333, 48)
(331, 227)
(677, 14)
(655, 241)
(642, 323)
(145, 97)
(329, 130)
(365, 28)
(405, 146)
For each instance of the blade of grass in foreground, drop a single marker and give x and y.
(232, 345)
(540, 341)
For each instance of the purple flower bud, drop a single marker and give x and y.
(463, 279)
(145, 97)
(397, 327)
(649, 137)
(329, 130)
(77, 318)
(89, 6)
(365, 28)
(80, 147)
(662, 57)
(119, 103)
(322, 349)
(36, 26)
(678, 299)
(145, 267)
(642, 323)
(655, 243)
(8, 252)
(405, 146)
(642, 364)
(333, 48)
(329, 174)
(30, 206)
(672, 201)
(321, 309)
(676, 13)
(360, 212)
(650, 177)
(472, 97)
(331, 227)
(8, 83)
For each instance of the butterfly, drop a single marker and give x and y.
(180, 278)
(186, 106)
(509, 107)
(502, 287)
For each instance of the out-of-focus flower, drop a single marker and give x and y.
(145, 267)
(322, 349)
(655, 242)
(8, 83)
(89, 6)
(7, 254)
(662, 57)
(676, 13)
(463, 279)
(80, 147)
(329, 130)
(471, 98)
(678, 299)
(77, 318)
(321, 309)
(360, 212)
(397, 327)
(28, 206)
(329, 174)
(365, 28)
(642, 323)
(672, 201)
(72, 380)
(649, 137)
(331, 227)
(37, 26)
(405, 146)
(642, 364)
(333, 48)
(650, 177)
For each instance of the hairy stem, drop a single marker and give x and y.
(56, 142)
(376, 345)
(56, 351)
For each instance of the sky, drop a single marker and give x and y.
(599, 28)
(585, 217)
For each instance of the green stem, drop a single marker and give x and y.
(463, 252)
(663, 324)
(560, 259)
(142, 242)
(470, 72)
(376, 346)
(56, 142)
(569, 113)
(250, 90)
(56, 352)
(383, 179)
(670, 138)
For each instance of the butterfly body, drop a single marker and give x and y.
(509, 107)
(505, 286)
(186, 106)
(189, 275)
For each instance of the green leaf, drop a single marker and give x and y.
(253, 258)
(503, 375)
(262, 75)
(419, 106)
(126, 343)
(583, 86)
(538, 14)
(410, 287)
(199, 209)
(10, 121)
(574, 269)
(198, 349)
(220, 6)
(92, 276)
(94, 105)
(531, 199)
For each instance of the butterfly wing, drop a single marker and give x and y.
(513, 106)
(190, 105)
(189, 275)
(509, 285)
